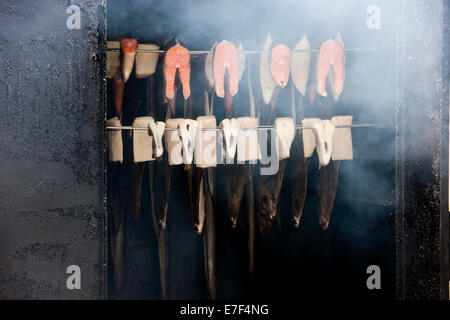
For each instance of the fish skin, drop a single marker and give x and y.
(162, 180)
(160, 228)
(237, 176)
(209, 234)
(196, 176)
(208, 73)
(117, 225)
(268, 192)
(118, 91)
(228, 101)
(327, 192)
(136, 171)
(159, 183)
(251, 228)
(267, 83)
(300, 178)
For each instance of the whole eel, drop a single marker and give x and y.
(328, 181)
(201, 189)
(300, 166)
(159, 182)
(299, 180)
(135, 170)
(327, 192)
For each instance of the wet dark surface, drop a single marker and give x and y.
(422, 219)
(51, 190)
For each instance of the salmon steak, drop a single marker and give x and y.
(280, 64)
(331, 55)
(177, 58)
(226, 61)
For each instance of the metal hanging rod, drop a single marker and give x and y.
(356, 125)
(197, 52)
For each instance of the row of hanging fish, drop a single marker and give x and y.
(188, 143)
(184, 144)
(226, 57)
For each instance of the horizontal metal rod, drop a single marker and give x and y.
(196, 52)
(356, 125)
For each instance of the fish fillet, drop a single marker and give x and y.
(266, 79)
(146, 61)
(300, 63)
(208, 69)
(323, 133)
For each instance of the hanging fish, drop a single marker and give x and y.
(332, 56)
(177, 58)
(269, 186)
(300, 65)
(129, 49)
(226, 66)
(117, 223)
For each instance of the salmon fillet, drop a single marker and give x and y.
(331, 55)
(177, 58)
(300, 63)
(280, 64)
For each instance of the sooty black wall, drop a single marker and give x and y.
(51, 142)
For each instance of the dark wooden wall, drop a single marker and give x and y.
(422, 150)
(51, 150)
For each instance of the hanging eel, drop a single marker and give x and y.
(201, 179)
(239, 177)
(117, 221)
(159, 182)
(272, 81)
(328, 182)
(300, 65)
